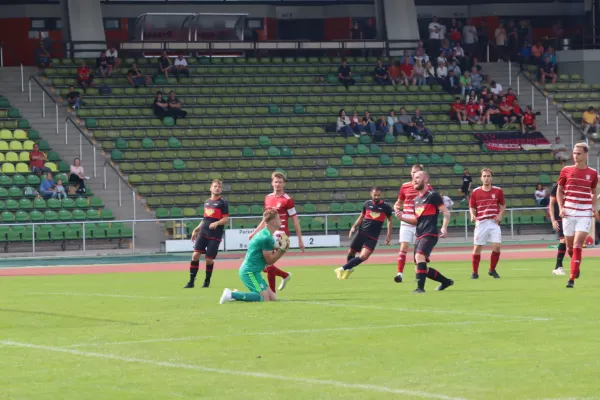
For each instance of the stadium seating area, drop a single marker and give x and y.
(248, 117)
(16, 141)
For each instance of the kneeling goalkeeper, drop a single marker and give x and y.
(260, 254)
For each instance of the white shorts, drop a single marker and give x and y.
(487, 231)
(408, 233)
(576, 224)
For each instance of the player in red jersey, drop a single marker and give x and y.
(405, 206)
(576, 194)
(207, 235)
(487, 205)
(285, 206)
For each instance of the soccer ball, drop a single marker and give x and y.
(282, 241)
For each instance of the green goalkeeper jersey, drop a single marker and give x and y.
(254, 260)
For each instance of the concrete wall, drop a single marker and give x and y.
(586, 63)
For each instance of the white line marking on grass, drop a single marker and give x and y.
(432, 311)
(284, 332)
(309, 381)
(125, 296)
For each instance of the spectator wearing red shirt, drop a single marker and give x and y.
(84, 77)
(510, 97)
(37, 159)
(506, 111)
(407, 73)
(471, 110)
(394, 73)
(517, 112)
(481, 111)
(458, 111)
(528, 122)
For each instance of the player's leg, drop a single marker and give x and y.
(582, 229)
(272, 273)
(256, 286)
(355, 247)
(212, 249)
(560, 254)
(494, 259)
(479, 240)
(199, 249)
(407, 237)
(423, 249)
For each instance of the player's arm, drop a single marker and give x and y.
(359, 221)
(196, 231)
(222, 221)
(388, 237)
(472, 211)
(594, 208)
(446, 221)
(560, 198)
(296, 222)
(412, 220)
(551, 212)
(501, 208)
(258, 229)
(272, 256)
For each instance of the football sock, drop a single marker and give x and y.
(421, 275)
(352, 263)
(401, 261)
(560, 255)
(349, 257)
(194, 265)
(494, 260)
(279, 273)
(475, 263)
(246, 296)
(435, 275)
(271, 278)
(575, 262)
(209, 271)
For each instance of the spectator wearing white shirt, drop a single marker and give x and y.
(392, 120)
(501, 41)
(460, 52)
(343, 124)
(113, 57)
(496, 88)
(442, 74)
(448, 202)
(541, 196)
(181, 67)
(429, 74)
(435, 38)
(469, 37)
(560, 152)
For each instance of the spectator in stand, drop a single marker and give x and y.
(419, 72)
(370, 31)
(136, 78)
(561, 152)
(454, 33)
(541, 196)
(442, 59)
(446, 48)
(493, 114)
(435, 34)
(485, 94)
(506, 111)
(454, 67)
(496, 88)
(381, 74)
(355, 123)
(77, 176)
(406, 56)
(164, 65)
(103, 65)
(74, 98)
(393, 125)
(160, 106)
(422, 133)
(523, 32)
(345, 74)
(458, 111)
(382, 126)
(37, 159)
(355, 32)
(589, 120)
(175, 110)
(513, 39)
(395, 73)
(465, 83)
(47, 187)
(84, 77)
(471, 109)
(113, 57)
(551, 56)
(421, 53)
(465, 188)
(483, 37)
(368, 125)
(501, 41)
(510, 97)
(524, 55)
(343, 124)
(61, 193)
(442, 75)
(469, 37)
(476, 79)
(547, 71)
(181, 67)
(537, 52)
(405, 124)
(43, 56)
(458, 52)
(447, 202)
(407, 73)
(429, 74)
(472, 95)
(528, 122)
(452, 79)
(517, 112)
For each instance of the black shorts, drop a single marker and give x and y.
(497, 119)
(560, 234)
(425, 245)
(360, 240)
(207, 246)
(465, 191)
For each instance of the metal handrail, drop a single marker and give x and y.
(533, 89)
(81, 134)
(2, 47)
(45, 93)
(120, 181)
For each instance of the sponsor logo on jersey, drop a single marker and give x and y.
(209, 212)
(419, 210)
(375, 215)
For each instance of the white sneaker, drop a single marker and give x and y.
(558, 271)
(284, 282)
(87, 178)
(226, 296)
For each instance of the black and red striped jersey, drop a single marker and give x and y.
(427, 211)
(375, 213)
(214, 210)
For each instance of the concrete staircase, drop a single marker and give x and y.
(148, 235)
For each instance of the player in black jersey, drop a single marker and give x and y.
(369, 224)
(208, 234)
(554, 211)
(428, 205)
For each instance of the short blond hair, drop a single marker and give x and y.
(419, 166)
(220, 182)
(583, 145)
(279, 175)
(270, 215)
(487, 170)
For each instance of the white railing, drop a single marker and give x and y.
(44, 94)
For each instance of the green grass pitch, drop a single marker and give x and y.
(141, 336)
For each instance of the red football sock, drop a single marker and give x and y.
(475, 263)
(494, 260)
(271, 278)
(279, 273)
(576, 262)
(401, 261)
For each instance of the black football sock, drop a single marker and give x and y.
(209, 271)
(421, 275)
(352, 263)
(349, 257)
(435, 275)
(562, 248)
(194, 265)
